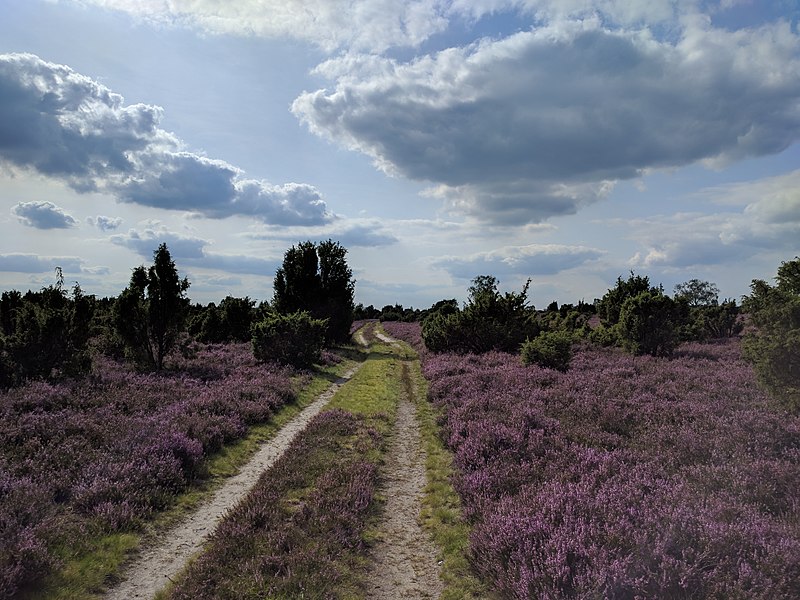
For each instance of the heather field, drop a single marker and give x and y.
(625, 477)
(97, 457)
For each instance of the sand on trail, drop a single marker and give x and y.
(404, 560)
(159, 562)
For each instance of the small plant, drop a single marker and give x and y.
(550, 349)
(295, 339)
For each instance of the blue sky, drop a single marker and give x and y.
(566, 141)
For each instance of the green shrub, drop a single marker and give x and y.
(550, 349)
(489, 321)
(650, 323)
(774, 346)
(605, 335)
(296, 338)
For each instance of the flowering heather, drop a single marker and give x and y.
(109, 450)
(626, 477)
(299, 530)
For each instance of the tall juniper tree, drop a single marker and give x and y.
(150, 313)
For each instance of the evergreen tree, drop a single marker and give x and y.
(150, 313)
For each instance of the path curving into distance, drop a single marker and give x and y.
(161, 561)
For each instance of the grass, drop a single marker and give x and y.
(94, 560)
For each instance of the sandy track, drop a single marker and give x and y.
(404, 561)
(156, 564)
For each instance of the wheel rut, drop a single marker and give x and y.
(404, 560)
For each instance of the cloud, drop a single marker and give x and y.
(371, 25)
(65, 125)
(370, 233)
(32, 263)
(146, 242)
(104, 223)
(518, 261)
(43, 215)
(545, 121)
(190, 251)
(768, 223)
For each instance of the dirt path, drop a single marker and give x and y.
(157, 564)
(404, 560)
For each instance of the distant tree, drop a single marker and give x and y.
(698, 293)
(44, 334)
(150, 313)
(317, 279)
(489, 321)
(774, 346)
(610, 305)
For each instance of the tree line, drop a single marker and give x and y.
(52, 333)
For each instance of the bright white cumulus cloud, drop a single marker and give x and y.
(544, 121)
(65, 125)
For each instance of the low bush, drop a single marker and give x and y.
(295, 339)
(550, 349)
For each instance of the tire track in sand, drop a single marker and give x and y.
(404, 560)
(162, 560)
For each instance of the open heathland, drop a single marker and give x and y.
(82, 463)
(627, 476)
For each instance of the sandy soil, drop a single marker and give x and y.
(156, 564)
(404, 561)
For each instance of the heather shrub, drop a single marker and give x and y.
(550, 349)
(626, 477)
(105, 452)
(295, 339)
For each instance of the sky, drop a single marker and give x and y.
(568, 142)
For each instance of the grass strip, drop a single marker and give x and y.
(93, 557)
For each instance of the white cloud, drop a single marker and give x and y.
(104, 223)
(518, 261)
(32, 263)
(43, 215)
(191, 251)
(65, 125)
(544, 121)
(372, 25)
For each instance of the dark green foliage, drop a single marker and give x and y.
(650, 322)
(317, 279)
(605, 335)
(150, 313)
(550, 349)
(44, 334)
(610, 306)
(698, 293)
(228, 322)
(489, 321)
(713, 321)
(774, 346)
(295, 339)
